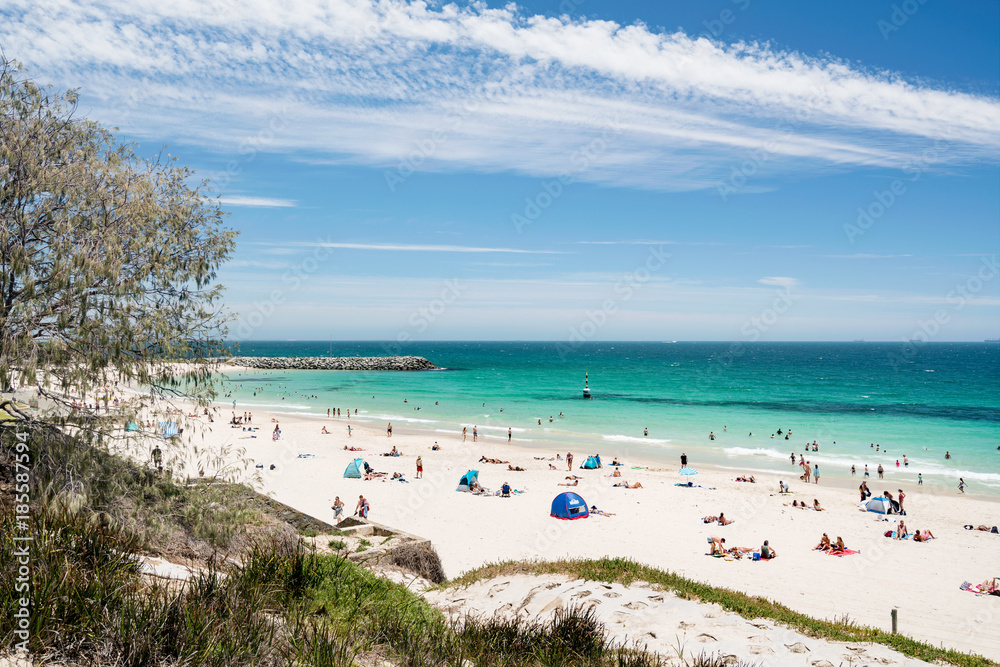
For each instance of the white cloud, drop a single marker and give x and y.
(260, 202)
(416, 248)
(865, 255)
(450, 87)
(779, 281)
(626, 242)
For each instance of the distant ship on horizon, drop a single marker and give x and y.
(992, 340)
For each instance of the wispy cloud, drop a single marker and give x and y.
(779, 281)
(626, 242)
(463, 87)
(390, 247)
(865, 255)
(258, 202)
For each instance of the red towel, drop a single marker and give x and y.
(845, 552)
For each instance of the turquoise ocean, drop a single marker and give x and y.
(912, 399)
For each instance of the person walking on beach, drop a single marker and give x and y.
(475, 434)
(465, 433)
(420, 467)
(920, 479)
(508, 435)
(854, 471)
(362, 509)
(881, 471)
(158, 458)
(684, 460)
(961, 485)
(348, 430)
(569, 460)
(388, 430)
(900, 501)
(816, 473)
(338, 508)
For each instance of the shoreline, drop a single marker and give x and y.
(537, 447)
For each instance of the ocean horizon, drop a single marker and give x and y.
(915, 402)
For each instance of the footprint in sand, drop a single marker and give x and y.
(612, 594)
(797, 647)
(620, 617)
(635, 604)
(581, 594)
(499, 588)
(761, 650)
(656, 598)
(704, 638)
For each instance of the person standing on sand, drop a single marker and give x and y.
(684, 460)
(475, 434)
(920, 479)
(881, 471)
(465, 433)
(508, 435)
(420, 468)
(900, 501)
(569, 460)
(388, 430)
(816, 474)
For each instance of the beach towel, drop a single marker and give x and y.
(845, 552)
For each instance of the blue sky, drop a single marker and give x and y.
(721, 170)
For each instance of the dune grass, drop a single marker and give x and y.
(626, 571)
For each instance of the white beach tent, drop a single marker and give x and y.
(878, 505)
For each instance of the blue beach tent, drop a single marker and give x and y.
(591, 463)
(569, 506)
(131, 426)
(465, 484)
(878, 505)
(354, 469)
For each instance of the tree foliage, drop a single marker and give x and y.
(108, 260)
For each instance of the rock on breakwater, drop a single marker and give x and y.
(335, 363)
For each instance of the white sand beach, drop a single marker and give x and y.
(659, 524)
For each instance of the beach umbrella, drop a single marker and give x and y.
(688, 471)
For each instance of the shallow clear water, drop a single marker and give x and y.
(911, 399)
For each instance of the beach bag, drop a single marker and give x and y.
(756, 556)
(888, 533)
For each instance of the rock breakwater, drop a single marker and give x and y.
(335, 363)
